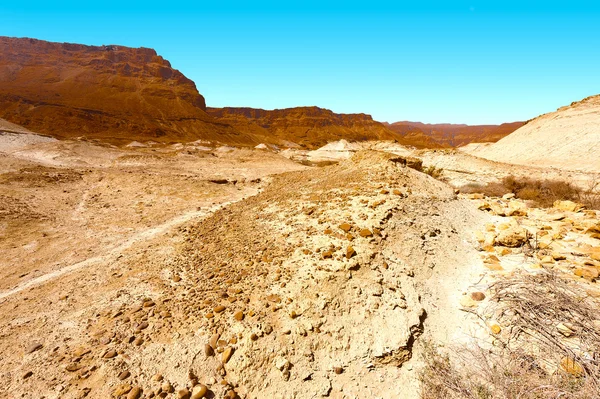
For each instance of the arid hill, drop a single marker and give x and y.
(451, 135)
(308, 126)
(568, 138)
(114, 93)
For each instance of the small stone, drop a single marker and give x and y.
(219, 309)
(183, 393)
(110, 354)
(366, 233)
(558, 256)
(72, 367)
(572, 366)
(135, 393)
(125, 374)
(166, 387)
(350, 252)
(199, 391)
(496, 329)
(27, 375)
(239, 315)
(176, 278)
(564, 329)
(293, 314)
(122, 390)
(227, 354)
(338, 370)
(148, 304)
(477, 296)
(157, 377)
(214, 339)
(327, 255)
(254, 337)
(345, 227)
(273, 298)
(208, 350)
(33, 347)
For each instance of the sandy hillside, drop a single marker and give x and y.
(568, 139)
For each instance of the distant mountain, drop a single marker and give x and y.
(452, 135)
(568, 138)
(311, 127)
(114, 93)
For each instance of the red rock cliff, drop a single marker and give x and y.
(109, 92)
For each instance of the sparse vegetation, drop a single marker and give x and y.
(534, 360)
(542, 193)
(434, 172)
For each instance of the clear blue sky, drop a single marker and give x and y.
(455, 61)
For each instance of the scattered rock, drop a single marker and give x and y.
(135, 393)
(199, 391)
(125, 374)
(227, 354)
(33, 347)
(477, 296)
(366, 233)
(572, 367)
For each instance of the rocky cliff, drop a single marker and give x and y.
(308, 126)
(113, 93)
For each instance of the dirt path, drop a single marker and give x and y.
(115, 252)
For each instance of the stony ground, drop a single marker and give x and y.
(186, 272)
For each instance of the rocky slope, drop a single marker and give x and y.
(312, 127)
(111, 92)
(568, 138)
(424, 135)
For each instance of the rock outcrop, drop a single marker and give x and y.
(114, 93)
(568, 138)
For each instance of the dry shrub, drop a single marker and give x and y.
(525, 363)
(542, 193)
(434, 172)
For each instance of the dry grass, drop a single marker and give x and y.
(542, 193)
(434, 172)
(526, 362)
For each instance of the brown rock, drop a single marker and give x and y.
(239, 315)
(183, 394)
(366, 233)
(478, 296)
(208, 350)
(345, 227)
(328, 254)
(73, 367)
(350, 252)
(135, 393)
(110, 354)
(122, 390)
(219, 309)
(227, 354)
(571, 366)
(125, 374)
(514, 236)
(199, 391)
(33, 347)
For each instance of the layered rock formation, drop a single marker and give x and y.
(568, 138)
(111, 92)
(312, 127)
(424, 135)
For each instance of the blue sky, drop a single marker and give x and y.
(455, 61)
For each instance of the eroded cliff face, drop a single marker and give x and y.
(424, 135)
(109, 92)
(308, 126)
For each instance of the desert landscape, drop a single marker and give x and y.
(154, 247)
